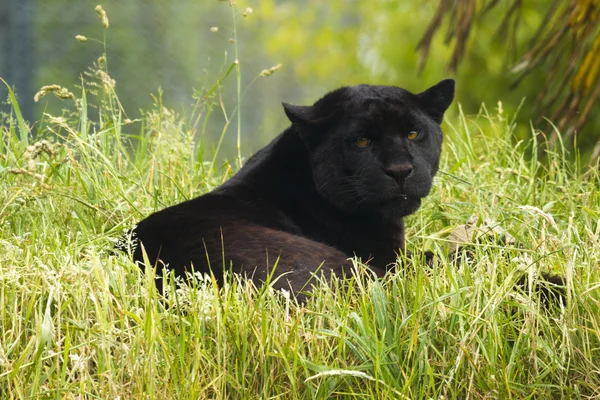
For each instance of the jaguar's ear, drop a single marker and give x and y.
(300, 115)
(438, 98)
(310, 126)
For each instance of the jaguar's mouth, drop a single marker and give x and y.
(396, 199)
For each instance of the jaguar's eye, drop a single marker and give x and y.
(412, 135)
(362, 142)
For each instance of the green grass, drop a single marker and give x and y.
(79, 322)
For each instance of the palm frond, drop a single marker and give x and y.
(565, 48)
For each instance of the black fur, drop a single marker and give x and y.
(313, 196)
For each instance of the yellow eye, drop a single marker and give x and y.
(412, 135)
(362, 142)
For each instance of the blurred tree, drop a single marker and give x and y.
(566, 46)
(151, 44)
(321, 45)
(16, 60)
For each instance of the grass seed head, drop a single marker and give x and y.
(59, 91)
(102, 14)
(107, 81)
(270, 71)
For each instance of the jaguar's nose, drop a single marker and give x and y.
(399, 172)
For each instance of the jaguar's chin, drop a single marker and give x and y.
(392, 208)
(402, 206)
(399, 199)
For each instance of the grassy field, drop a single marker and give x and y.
(77, 321)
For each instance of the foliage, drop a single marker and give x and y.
(342, 42)
(565, 47)
(321, 45)
(77, 320)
